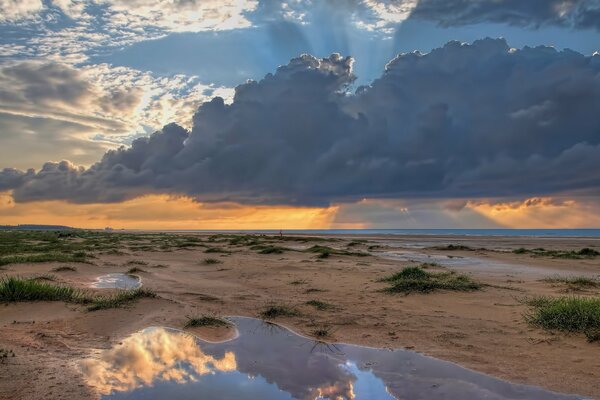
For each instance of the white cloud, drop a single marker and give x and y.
(11, 10)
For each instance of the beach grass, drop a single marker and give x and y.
(567, 314)
(18, 289)
(574, 282)
(119, 299)
(211, 261)
(417, 280)
(79, 257)
(274, 311)
(320, 305)
(206, 320)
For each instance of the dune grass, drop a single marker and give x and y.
(274, 311)
(269, 249)
(211, 261)
(206, 320)
(17, 289)
(417, 280)
(574, 282)
(585, 252)
(25, 289)
(118, 299)
(79, 256)
(135, 270)
(320, 305)
(567, 314)
(217, 250)
(326, 251)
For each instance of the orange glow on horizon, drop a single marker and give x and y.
(164, 212)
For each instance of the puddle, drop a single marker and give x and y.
(117, 281)
(269, 362)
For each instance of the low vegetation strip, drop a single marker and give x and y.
(80, 257)
(326, 251)
(575, 282)
(206, 320)
(417, 280)
(15, 289)
(568, 314)
(586, 252)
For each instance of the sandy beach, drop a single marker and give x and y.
(484, 330)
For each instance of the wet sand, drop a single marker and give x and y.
(482, 330)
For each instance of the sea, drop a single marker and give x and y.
(433, 232)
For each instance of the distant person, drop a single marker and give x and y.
(280, 233)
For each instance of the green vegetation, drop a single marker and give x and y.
(206, 320)
(274, 311)
(326, 251)
(269, 249)
(211, 261)
(136, 262)
(217, 250)
(135, 270)
(314, 290)
(22, 289)
(417, 280)
(80, 257)
(320, 305)
(118, 299)
(321, 332)
(586, 252)
(14, 289)
(575, 282)
(454, 247)
(567, 314)
(299, 282)
(5, 353)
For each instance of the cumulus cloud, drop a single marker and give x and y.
(77, 112)
(477, 120)
(535, 13)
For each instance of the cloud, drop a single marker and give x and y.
(79, 112)
(532, 13)
(11, 10)
(463, 121)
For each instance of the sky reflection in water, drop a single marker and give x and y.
(117, 281)
(269, 362)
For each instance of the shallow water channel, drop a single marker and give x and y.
(269, 362)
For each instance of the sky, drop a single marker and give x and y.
(263, 114)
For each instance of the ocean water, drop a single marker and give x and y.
(433, 232)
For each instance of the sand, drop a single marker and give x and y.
(483, 330)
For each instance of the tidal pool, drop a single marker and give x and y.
(268, 362)
(117, 281)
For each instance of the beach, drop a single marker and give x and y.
(341, 294)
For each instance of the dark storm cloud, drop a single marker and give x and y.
(464, 120)
(534, 13)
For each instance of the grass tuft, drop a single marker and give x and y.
(567, 314)
(22, 289)
(206, 320)
(79, 256)
(217, 250)
(119, 299)
(211, 261)
(320, 305)
(417, 280)
(274, 311)
(13, 289)
(575, 282)
(135, 270)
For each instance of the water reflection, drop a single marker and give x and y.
(117, 281)
(269, 362)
